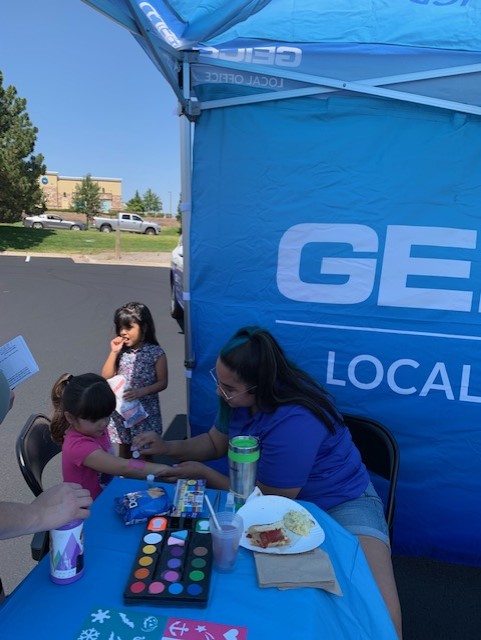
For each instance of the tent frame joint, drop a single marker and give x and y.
(190, 109)
(189, 363)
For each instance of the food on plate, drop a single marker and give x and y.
(298, 522)
(268, 535)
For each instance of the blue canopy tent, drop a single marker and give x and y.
(331, 193)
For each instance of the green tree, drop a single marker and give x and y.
(86, 197)
(20, 170)
(152, 202)
(136, 203)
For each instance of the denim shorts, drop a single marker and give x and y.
(363, 516)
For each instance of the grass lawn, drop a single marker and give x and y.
(15, 237)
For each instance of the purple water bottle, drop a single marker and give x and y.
(67, 553)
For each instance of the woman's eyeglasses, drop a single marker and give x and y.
(226, 396)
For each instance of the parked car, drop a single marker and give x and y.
(177, 281)
(126, 222)
(52, 221)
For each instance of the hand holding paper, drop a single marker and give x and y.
(131, 411)
(17, 362)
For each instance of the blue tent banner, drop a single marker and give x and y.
(368, 274)
(334, 198)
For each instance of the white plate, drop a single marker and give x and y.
(267, 509)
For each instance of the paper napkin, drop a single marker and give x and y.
(292, 571)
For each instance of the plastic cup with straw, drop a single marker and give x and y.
(226, 529)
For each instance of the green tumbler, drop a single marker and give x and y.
(243, 455)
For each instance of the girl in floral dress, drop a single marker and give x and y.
(136, 354)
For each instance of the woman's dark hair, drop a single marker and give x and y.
(87, 396)
(139, 313)
(258, 360)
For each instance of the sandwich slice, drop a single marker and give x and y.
(268, 535)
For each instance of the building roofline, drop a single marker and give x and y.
(82, 177)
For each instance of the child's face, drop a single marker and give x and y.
(87, 427)
(131, 335)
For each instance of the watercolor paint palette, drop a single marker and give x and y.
(189, 498)
(173, 564)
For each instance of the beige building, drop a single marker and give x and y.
(59, 191)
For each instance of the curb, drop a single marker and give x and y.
(133, 260)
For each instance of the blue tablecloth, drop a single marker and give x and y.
(45, 611)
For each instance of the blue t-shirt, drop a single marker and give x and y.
(298, 450)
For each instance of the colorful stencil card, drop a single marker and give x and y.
(201, 630)
(189, 498)
(173, 564)
(109, 624)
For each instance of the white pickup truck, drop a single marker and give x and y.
(126, 222)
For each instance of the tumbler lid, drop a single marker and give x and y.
(244, 449)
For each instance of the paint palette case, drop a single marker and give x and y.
(173, 564)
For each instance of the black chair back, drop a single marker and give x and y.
(34, 449)
(380, 453)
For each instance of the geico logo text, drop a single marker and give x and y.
(350, 256)
(278, 56)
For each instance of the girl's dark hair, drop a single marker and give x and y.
(87, 396)
(139, 313)
(257, 359)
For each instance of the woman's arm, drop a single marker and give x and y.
(104, 462)
(213, 478)
(206, 446)
(275, 491)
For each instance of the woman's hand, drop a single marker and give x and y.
(150, 443)
(188, 469)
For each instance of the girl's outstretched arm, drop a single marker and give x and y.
(104, 462)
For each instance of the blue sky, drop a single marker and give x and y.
(99, 103)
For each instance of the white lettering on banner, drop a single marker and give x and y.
(437, 380)
(160, 25)
(360, 272)
(279, 56)
(396, 266)
(238, 78)
(441, 3)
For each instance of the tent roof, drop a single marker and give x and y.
(425, 51)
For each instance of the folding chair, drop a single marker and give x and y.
(380, 453)
(34, 449)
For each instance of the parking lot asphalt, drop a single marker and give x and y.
(64, 310)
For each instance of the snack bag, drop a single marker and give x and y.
(139, 506)
(131, 411)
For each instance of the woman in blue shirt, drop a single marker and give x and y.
(306, 451)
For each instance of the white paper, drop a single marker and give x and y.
(131, 411)
(17, 361)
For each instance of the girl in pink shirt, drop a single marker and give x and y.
(82, 408)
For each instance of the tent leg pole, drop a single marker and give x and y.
(186, 186)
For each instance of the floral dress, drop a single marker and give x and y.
(138, 367)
